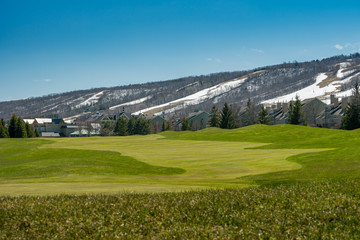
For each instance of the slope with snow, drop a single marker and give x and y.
(321, 89)
(92, 100)
(134, 102)
(195, 98)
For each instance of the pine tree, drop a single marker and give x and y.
(142, 126)
(2, 122)
(163, 127)
(227, 118)
(351, 118)
(131, 126)
(263, 116)
(168, 126)
(121, 127)
(214, 117)
(29, 131)
(296, 114)
(12, 126)
(20, 129)
(185, 125)
(4, 133)
(250, 115)
(37, 134)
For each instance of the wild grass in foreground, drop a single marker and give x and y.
(326, 210)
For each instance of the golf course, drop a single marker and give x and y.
(256, 182)
(177, 161)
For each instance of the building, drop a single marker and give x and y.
(197, 120)
(332, 115)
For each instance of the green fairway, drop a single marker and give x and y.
(176, 161)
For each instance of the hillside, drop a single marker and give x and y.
(268, 84)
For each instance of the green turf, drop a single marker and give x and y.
(342, 162)
(180, 160)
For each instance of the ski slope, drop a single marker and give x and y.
(195, 98)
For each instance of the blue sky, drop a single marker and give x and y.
(57, 46)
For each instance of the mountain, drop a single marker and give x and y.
(269, 84)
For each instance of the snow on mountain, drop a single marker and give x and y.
(323, 87)
(195, 98)
(343, 72)
(134, 102)
(92, 100)
(311, 91)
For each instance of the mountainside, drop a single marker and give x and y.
(269, 84)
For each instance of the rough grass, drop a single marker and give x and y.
(321, 210)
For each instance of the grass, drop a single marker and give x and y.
(135, 163)
(341, 162)
(321, 210)
(211, 158)
(307, 185)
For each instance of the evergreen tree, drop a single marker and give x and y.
(263, 116)
(4, 133)
(37, 134)
(131, 126)
(250, 115)
(20, 129)
(214, 117)
(29, 131)
(185, 125)
(351, 118)
(12, 126)
(142, 126)
(163, 127)
(227, 118)
(121, 127)
(107, 125)
(2, 122)
(168, 126)
(296, 114)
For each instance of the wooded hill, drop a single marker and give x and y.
(258, 84)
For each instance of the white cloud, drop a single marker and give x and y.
(339, 47)
(214, 60)
(257, 50)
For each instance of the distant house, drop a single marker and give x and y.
(49, 134)
(279, 114)
(47, 127)
(156, 124)
(123, 114)
(197, 120)
(312, 109)
(332, 115)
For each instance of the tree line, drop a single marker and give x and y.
(132, 126)
(17, 128)
(226, 119)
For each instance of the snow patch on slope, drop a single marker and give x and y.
(311, 91)
(197, 97)
(92, 100)
(314, 90)
(137, 101)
